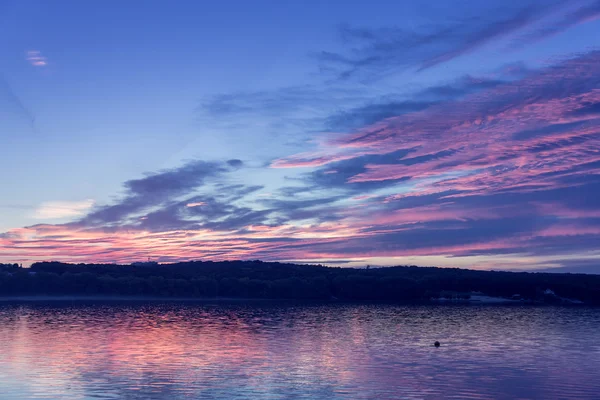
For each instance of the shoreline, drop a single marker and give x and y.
(134, 298)
(475, 300)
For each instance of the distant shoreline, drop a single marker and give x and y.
(257, 281)
(135, 298)
(476, 300)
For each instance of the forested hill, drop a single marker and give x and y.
(256, 279)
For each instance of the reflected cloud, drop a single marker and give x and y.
(180, 350)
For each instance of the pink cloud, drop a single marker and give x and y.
(36, 59)
(569, 230)
(488, 142)
(195, 204)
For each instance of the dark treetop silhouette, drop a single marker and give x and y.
(269, 280)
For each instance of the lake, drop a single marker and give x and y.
(191, 350)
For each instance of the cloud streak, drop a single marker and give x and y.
(588, 12)
(62, 209)
(378, 51)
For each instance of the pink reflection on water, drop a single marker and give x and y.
(174, 350)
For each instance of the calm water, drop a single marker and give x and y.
(194, 350)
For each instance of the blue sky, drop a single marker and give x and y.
(362, 132)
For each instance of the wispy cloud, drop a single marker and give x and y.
(375, 52)
(35, 58)
(62, 209)
(587, 12)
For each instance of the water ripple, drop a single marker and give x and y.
(272, 351)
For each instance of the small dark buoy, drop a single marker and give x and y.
(436, 344)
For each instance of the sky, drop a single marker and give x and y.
(347, 133)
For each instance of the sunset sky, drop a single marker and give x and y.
(448, 133)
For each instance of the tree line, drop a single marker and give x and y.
(271, 280)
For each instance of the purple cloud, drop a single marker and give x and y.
(377, 51)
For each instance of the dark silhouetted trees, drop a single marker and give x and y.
(266, 280)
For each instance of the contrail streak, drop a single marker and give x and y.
(17, 101)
